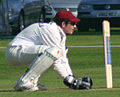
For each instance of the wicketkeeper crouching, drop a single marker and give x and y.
(42, 45)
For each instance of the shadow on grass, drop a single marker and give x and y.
(49, 90)
(7, 91)
(104, 88)
(67, 89)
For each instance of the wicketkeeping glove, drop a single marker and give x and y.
(77, 84)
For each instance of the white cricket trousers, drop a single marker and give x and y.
(23, 55)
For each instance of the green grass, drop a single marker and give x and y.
(83, 61)
(3, 42)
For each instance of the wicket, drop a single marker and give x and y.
(107, 53)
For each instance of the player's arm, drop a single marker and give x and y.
(61, 66)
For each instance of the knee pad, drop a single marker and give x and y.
(54, 52)
(41, 64)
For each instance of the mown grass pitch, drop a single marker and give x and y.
(84, 61)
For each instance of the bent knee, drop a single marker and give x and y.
(55, 52)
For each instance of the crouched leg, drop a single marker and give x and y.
(28, 81)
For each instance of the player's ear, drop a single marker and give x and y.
(63, 24)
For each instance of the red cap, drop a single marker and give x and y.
(63, 14)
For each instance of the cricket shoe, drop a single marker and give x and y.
(28, 86)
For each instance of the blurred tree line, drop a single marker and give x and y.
(4, 24)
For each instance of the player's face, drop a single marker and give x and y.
(69, 28)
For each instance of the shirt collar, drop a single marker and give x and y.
(60, 30)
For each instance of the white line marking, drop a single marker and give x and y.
(2, 47)
(92, 46)
(82, 46)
